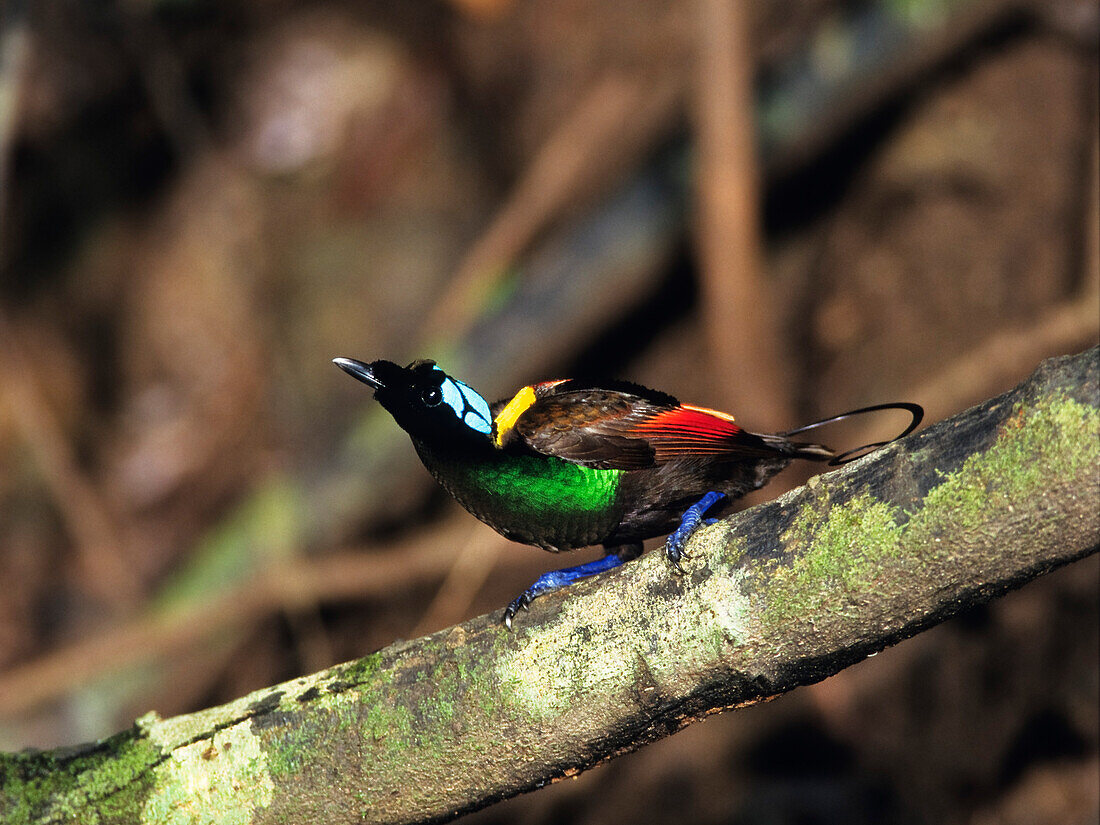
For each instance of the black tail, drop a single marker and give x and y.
(816, 452)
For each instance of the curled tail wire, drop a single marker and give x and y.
(816, 452)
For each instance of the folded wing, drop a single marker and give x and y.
(631, 429)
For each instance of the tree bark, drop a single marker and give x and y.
(782, 595)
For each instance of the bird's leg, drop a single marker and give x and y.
(557, 579)
(674, 545)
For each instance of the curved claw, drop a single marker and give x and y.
(521, 601)
(557, 579)
(689, 523)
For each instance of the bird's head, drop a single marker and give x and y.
(425, 401)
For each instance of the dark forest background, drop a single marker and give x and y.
(783, 209)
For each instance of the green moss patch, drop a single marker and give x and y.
(852, 550)
(1058, 440)
(106, 785)
(844, 555)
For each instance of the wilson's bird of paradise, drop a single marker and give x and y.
(567, 463)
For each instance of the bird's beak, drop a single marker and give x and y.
(360, 371)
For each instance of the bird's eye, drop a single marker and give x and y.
(432, 396)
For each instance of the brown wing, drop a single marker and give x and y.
(592, 427)
(621, 430)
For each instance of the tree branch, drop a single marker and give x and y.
(782, 595)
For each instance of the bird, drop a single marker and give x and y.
(571, 463)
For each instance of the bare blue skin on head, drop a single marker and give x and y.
(471, 408)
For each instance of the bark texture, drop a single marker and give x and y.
(779, 596)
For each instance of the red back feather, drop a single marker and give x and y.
(687, 430)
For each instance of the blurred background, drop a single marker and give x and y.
(783, 209)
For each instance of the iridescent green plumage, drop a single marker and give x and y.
(534, 499)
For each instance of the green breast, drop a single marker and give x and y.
(530, 498)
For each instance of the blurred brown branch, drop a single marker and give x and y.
(1007, 354)
(352, 574)
(613, 126)
(736, 307)
(99, 541)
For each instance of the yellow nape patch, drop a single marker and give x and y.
(506, 418)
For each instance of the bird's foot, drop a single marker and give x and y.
(557, 579)
(689, 523)
(519, 603)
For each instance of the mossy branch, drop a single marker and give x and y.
(779, 596)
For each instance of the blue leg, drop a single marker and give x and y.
(674, 545)
(557, 579)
